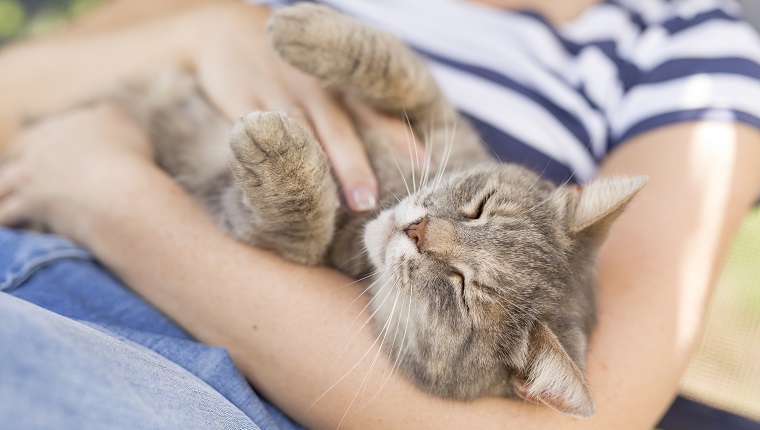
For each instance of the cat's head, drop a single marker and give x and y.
(487, 283)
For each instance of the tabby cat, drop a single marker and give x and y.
(482, 275)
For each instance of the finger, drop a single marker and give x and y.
(6, 179)
(345, 150)
(398, 130)
(233, 102)
(275, 101)
(11, 211)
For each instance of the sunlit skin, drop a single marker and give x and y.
(286, 325)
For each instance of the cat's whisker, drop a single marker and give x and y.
(345, 375)
(395, 336)
(403, 177)
(393, 194)
(446, 155)
(411, 142)
(551, 195)
(359, 331)
(355, 256)
(371, 274)
(374, 297)
(439, 169)
(429, 141)
(390, 350)
(400, 352)
(430, 147)
(384, 332)
(538, 178)
(361, 294)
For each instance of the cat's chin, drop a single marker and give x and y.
(377, 234)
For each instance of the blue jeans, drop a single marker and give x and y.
(78, 350)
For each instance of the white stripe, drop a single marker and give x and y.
(692, 92)
(516, 115)
(692, 8)
(650, 10)
(603, 22)
(600, 80)
(483, 37)
(717, 39)
(454, 28)
(658, 11)
(471, 23)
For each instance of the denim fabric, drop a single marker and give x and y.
(82, 351)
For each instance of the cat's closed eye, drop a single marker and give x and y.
(458, 279)
(480, 208)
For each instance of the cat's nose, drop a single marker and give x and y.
(416, 231)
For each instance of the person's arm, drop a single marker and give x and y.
(73, 55)
(117, 14)
(286, 325)
(40, 76)
(222, 42)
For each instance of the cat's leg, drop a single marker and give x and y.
(354, 57)
(283, 197)
(378, 68)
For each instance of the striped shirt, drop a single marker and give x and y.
(558, 99)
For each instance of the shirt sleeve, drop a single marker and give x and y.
(702, 65)
(273, 4)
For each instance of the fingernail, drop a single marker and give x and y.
(363, 199)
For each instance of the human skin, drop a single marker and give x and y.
(285, 325)
(221, 41)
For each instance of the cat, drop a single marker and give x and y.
(486, 271)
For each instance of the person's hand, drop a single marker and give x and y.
(226, 46)
(62, 167)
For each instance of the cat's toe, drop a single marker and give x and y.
(308, 36)
(265, 136)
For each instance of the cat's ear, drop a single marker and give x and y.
(552, 378)
(595, 206)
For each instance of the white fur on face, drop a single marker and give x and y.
(384, 236)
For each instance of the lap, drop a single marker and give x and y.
(87, 353)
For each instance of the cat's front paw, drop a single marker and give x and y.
(268, 142)
(315, 39)
(351, 56)
(286, 181)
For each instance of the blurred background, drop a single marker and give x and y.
(725, 370)
(21, 18)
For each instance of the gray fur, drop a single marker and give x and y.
(494, 303)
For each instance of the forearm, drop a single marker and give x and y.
(117, 14)
(45, 76)
(662, 258)
(42, 76)
(286, 325)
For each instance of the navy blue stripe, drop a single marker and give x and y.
(570, 46)
(675, 25)
(633, 16)
(628, 73)
(509, 149)
(683, 67)
(570, 121)
(707, 114)
(685, 414)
